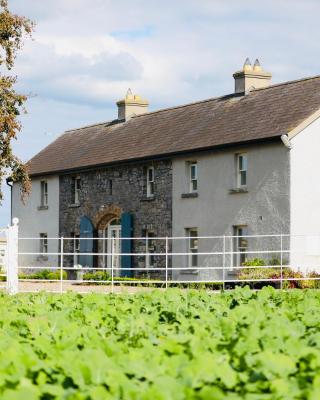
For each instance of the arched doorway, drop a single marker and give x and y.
(112, 246)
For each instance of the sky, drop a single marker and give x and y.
(85, 54)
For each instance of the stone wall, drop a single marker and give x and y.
(128, 196)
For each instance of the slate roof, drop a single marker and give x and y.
(260, 115)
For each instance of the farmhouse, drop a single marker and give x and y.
(241, 164)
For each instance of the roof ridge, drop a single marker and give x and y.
(86, 126)
(190, 104)
(287, 83)
(92, 125)
(226, 96)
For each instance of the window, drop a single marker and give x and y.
(240, 245)
(193, 177)
(242, 169)
(44, 193)
(43, 244)
(192, 247)
(110, 187)
(150, 181)
(150, 248)
(75, 248)
(76, 183)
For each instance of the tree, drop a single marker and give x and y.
(13, 30)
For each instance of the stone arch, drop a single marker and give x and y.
(105, 215)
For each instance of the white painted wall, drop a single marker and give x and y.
(305, 198)
(264, 209)
(33, 221)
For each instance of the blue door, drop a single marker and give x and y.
(86, 245)
(126, 244)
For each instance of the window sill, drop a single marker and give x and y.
(42, 258)
(148, 198)
(189, 195)
(238, 190)
(74, 205)
(40, 208)
(190, 271)
(232, 272)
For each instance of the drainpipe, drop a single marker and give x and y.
(9, 182)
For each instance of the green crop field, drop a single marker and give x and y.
(161, 345)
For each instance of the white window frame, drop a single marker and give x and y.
(77, 189)
(193, 177)
(150, 181)
(76, 249)
(242, 170)
(44, 193)
(43, 244)
(240, 244)
(150, 248)
(192, 247)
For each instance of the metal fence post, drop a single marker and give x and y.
(223, 262)
(61, 264)
(281, 262)
(12, 257)
(112, 257)
(166, 262)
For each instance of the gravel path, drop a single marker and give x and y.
(67, 286)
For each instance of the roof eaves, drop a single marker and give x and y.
(157, 156)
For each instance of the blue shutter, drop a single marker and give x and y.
(126, 244)
(86, 246)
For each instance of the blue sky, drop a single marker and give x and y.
(87, 53)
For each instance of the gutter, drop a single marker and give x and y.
(286, 141)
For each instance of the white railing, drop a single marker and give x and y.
(3, 257)
(216, 263)
(10, 272)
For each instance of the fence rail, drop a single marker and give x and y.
(56, 263)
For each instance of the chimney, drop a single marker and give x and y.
(131, 105)
(251, 77)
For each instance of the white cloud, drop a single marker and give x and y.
(86, 53)
(74, 77)
(170, 52)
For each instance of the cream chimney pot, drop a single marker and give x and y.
(251, 77)
(131, 105)
(247, 65)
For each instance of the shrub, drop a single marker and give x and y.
(255, 262)
(105, 278)
(96, 276)
(44, 274)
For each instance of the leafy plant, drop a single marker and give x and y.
(255, 262)
(170, 344)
